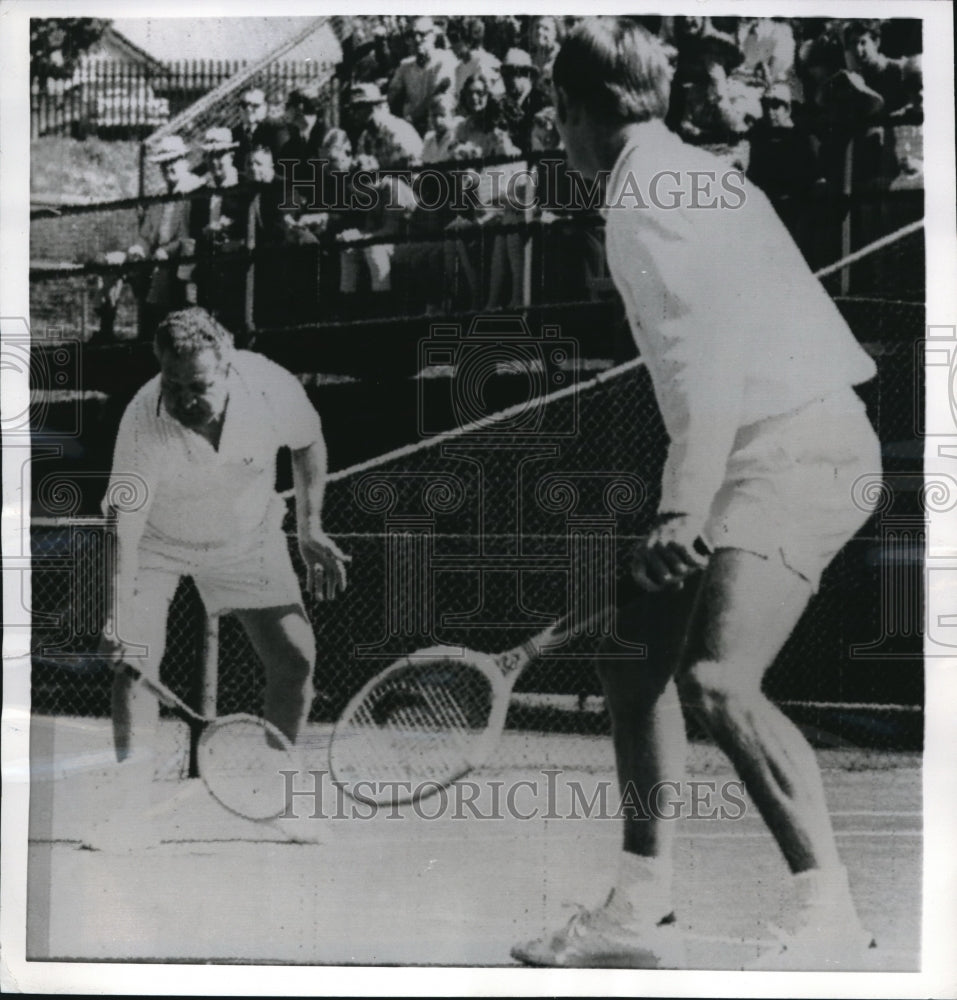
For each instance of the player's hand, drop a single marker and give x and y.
(160, 254)
(668, 556)
(325, 565)
(112, 649)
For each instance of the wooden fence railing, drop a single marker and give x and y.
(104, 97)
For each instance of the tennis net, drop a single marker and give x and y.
(476, 536)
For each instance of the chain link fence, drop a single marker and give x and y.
(478, 537)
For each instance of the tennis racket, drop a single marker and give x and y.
(431, 718)
(239, 756)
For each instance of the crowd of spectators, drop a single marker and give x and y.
(778, 96)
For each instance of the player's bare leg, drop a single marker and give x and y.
(284, 641)
(747, 608)
(649, 738)
(127, 823)
(635, 926)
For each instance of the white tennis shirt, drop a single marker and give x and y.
(200, 495)
(725, 311)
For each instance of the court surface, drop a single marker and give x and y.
(399, 888)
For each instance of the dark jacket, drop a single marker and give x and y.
(271, 134)
(166, 226)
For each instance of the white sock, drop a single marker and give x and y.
(643, 889)
(825, 887)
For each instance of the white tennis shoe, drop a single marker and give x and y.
(601, 939)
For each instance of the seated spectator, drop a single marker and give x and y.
(482, 124)
(522, 101)
(421, 76)
(218, 227)
(283, 289)
(819, 57)
(482, 136)
(545, 134)
(544, 47)
(898, 81)
(369, 60)
(783, 159)
(391, 141)
(390, 269)
(570, 259)
(441, 138)
(256, 129)
(468, 44)
(703, 107)
(306, 129)
(165, 236)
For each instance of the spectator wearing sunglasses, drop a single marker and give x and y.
(256, 129)
(419, 77)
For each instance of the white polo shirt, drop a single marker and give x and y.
(725, 311)
(200, 495)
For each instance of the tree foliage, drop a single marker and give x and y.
(56, 44)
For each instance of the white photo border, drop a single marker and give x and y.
(939, 965)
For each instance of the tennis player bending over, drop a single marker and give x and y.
(202, 436)
(753, 369)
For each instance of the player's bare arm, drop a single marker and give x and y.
(325, 561)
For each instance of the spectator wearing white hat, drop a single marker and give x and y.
(218, 224)
(256, 129)
(421, 76)
(164, 235)
(390, 140)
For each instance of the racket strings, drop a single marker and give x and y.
(418, 738)
(241, 759)
(418, 724)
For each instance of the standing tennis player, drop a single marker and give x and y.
(753, 369)
(201, 438)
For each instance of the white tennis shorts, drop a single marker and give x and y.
(788, 491)
(253, 572)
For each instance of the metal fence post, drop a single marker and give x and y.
(207, 686)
